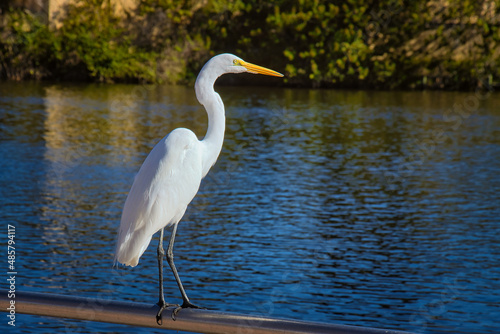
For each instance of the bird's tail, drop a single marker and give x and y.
(131, 246)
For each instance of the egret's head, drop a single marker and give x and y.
(229, 63)
(222, 64)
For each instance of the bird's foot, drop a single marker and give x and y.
(162, 306)
(186, 304)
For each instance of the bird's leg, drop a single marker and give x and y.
(170, 259)
(161, 253)
(161, 301)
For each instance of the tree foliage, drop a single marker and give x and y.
(353, 43)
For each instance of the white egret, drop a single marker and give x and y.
(170, 176)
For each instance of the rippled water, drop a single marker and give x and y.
(375, 209)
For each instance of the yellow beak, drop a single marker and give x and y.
(256, 69)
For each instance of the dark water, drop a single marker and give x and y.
(375, 209)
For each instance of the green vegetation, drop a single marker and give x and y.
(386, 44)
(90, 45)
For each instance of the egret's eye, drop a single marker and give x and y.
(236, 62)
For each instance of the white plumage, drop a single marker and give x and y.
(166, 183)
(170, 176)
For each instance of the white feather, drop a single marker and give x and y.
(166, 183)
(171, 174)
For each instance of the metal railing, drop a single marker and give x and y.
(144, 315)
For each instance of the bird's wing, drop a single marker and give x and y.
(166, 183)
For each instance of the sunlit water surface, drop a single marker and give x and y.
(377, 209)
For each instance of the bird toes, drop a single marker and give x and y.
(159, 320)
(186, 304)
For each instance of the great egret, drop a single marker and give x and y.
(170, 177)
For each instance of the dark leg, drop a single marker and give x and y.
(170, 259)
(161, 301)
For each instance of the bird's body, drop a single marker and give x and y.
(166, 183)
(171, 175)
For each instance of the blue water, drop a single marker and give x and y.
(377, 209)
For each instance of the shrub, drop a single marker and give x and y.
(27, 47)
(352, 43)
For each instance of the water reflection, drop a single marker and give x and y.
(365, 208)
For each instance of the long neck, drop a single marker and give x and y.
(212, 143)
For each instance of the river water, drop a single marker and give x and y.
(365, 208)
